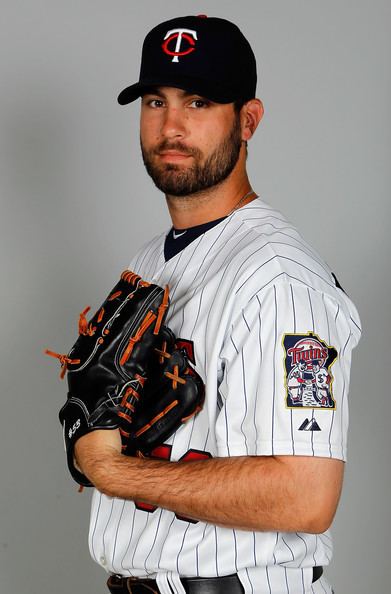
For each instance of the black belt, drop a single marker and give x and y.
(229, 584)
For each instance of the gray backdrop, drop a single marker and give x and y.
(76, 203)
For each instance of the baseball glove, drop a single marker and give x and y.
(110, 361)
(172, 394)
(126, 371)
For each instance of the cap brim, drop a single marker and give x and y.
(130, 94)
(202, 88)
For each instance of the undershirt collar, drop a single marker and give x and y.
(177, 239)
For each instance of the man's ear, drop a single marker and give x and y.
(251, 114)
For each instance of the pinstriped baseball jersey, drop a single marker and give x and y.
(271, 336)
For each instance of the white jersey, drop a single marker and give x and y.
(258, 306)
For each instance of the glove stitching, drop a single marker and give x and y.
(125, 339)
(80, 403)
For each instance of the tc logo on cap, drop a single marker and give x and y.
(179, 34)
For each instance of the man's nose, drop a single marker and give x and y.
(174, 123)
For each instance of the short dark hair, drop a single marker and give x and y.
(238, 104)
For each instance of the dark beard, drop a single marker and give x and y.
(177, 181)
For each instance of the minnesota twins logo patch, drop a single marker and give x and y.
(308, 378)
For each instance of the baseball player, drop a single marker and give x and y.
(322, 383)
(240, 498)
(296, 381)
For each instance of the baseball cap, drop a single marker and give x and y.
(207, 56)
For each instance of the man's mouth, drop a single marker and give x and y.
(173, 156)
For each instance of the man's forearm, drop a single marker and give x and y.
(252, 493)
(223, 491)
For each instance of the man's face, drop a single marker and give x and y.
(188, 143)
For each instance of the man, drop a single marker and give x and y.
(243, 494)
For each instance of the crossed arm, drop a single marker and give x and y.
(263, 493)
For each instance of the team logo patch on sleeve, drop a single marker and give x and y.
(308, 377)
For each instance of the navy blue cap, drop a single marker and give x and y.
(202, 55)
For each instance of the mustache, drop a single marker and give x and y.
(178, 146)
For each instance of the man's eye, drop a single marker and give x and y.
(155, 103)
(198, 103)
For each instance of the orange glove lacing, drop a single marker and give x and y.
(64, 360)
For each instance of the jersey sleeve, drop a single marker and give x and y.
(286, 364)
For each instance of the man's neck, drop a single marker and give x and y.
(214, 203)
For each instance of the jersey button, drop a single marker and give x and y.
(103, 560)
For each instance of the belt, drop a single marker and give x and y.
(229, 584)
